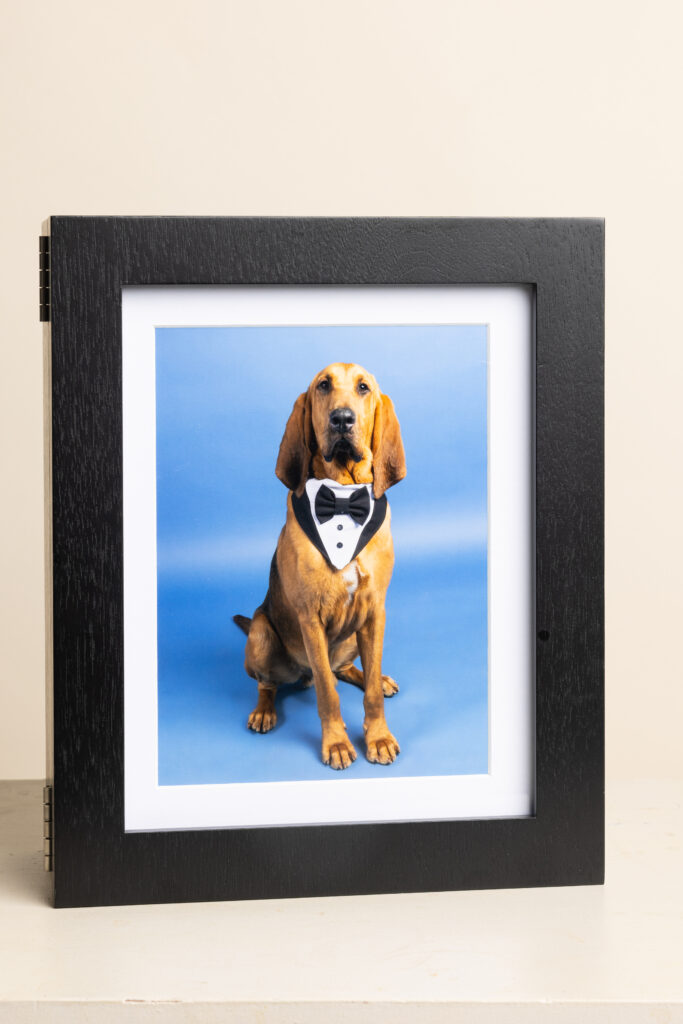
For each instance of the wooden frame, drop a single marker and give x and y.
(95, 861)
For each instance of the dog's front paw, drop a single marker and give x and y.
(382, 746)
(338, 751)
(389, 686)
(261, 721)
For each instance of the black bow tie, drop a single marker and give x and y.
(328, 504)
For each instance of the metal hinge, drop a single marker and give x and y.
(44, 277)
(47, 828)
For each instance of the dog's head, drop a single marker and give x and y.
(344, 421)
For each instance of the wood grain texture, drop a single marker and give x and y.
(92, 258)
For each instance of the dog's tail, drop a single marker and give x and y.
(243, 622)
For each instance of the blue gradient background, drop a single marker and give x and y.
(223, 398)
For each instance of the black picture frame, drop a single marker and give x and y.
(85, 262)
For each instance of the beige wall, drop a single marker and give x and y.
(370, 107)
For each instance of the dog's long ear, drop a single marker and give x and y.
(388, 456)
(297, 446)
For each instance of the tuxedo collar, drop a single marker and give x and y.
(340, 538)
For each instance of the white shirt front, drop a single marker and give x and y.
(340, 534)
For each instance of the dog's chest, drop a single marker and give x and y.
(348, 600)
(351, 577)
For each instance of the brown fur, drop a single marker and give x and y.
(315, 620)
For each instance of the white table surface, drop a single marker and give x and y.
(590, 954)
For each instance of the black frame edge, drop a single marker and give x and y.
(96, 863)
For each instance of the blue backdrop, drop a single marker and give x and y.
(223, 398)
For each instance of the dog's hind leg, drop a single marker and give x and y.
(267, 662)
(264, 716)
(350, 674)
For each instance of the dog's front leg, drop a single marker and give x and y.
(382, 746)
(337, 749)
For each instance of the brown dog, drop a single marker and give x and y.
(321, 610)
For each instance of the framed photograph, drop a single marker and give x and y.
(325, 523)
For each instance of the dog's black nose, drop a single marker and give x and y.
(341, 420)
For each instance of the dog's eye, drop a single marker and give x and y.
(324, 385)
(363, 388)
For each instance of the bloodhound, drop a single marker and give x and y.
(340, 452)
